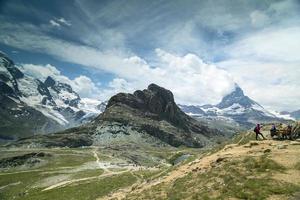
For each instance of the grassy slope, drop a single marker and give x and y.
(254, 174)
(68, 164)
(251, 175)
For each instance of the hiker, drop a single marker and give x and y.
(257, 131)
(289, 131)
(273, 130)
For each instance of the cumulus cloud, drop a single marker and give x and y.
(115, 86)
(191, 79)
(39, 71)
(83, 85)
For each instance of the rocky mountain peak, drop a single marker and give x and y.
(49, 82)
(237, 96)
(10, 66)
(160, 91)
(155, 100)
(238, 92)
(9, 74)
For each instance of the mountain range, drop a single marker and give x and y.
(146, 117)
(293, 114)
(235, 107)
(29, 105)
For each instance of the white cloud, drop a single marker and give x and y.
(58, 22)
(39, 71)
(115, 86)
(271, 44)
(266, 65)
(190, 79)
(54, 23)
(83, 85)
(251, 61)
(64, 21)
(273, 84)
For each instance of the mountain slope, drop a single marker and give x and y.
(16, 115)
(295, 114)
(148, 117)
(29, 105)
(255, 170)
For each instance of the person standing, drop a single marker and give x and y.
(273, 130)
(257, 131)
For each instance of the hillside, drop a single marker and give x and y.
(240, 169)
(255, 170)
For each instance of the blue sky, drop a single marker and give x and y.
(198, 49)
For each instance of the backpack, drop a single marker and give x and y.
(255, 129)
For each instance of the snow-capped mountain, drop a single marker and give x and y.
(192, 110)
(235, 107)
(29, 105)
(290, 115)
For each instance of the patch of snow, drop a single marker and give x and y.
(28, 87)
(193, 114)
(89, 105)
(212, 109)
(15, 100)
(234, 109)
(53, 114)
(65, 95)
(3, 70)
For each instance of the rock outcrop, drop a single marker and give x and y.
(154, 103)
(145, 117)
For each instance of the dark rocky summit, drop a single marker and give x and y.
(155, 112)
(154, 103)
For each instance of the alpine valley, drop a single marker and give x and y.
(140, 145)
(149, 100)
(30, 106)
